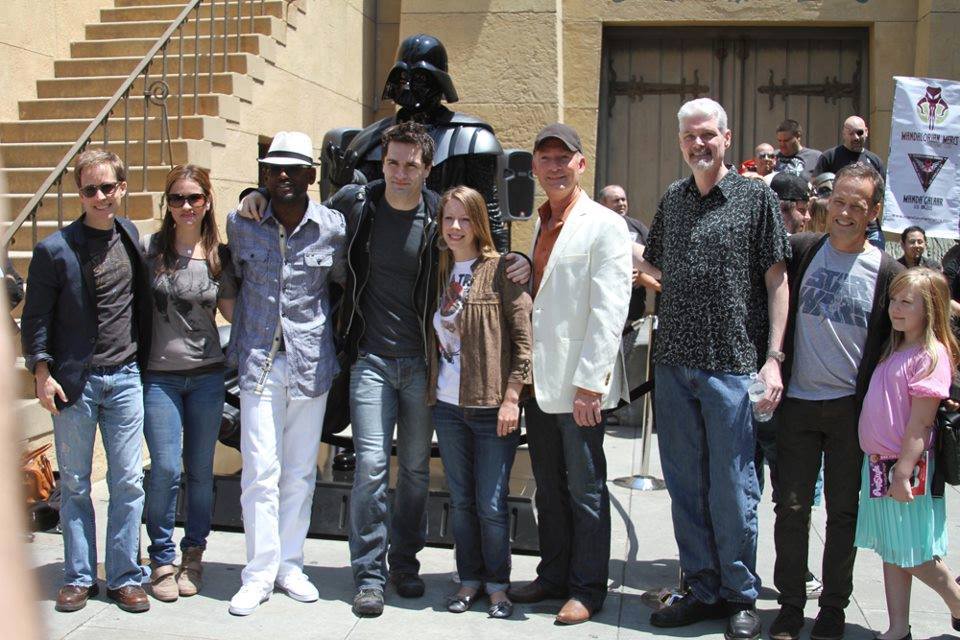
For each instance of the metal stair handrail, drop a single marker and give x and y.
(155, 93)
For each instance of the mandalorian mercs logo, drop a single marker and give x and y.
(932, 108)
(927, 167)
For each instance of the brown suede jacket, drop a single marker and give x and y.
(495, 338)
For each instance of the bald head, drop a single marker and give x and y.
(614, 197)
(764, 156)
(854, 133)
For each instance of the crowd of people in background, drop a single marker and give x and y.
(437, 330)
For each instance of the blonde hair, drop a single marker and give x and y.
(932, 288)
(818, 215)
(476, 208)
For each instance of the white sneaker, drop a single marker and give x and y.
(298, 586)
(250, 596)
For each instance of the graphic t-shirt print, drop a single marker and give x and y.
(842, 298)
(446, 323)
(451, 305)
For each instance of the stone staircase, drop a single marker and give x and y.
(31, 146)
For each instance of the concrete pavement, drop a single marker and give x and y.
(644, 557)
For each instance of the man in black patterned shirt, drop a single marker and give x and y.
(719, 241)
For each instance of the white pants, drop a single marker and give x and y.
(279, 442)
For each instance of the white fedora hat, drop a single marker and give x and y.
(290, 148)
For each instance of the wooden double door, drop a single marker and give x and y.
(760, 75)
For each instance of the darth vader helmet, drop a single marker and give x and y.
(419, 79)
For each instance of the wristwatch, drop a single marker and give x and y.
(779, 356)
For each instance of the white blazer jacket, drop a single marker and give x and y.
(580, 308)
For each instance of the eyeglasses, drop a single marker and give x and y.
(766, 156)
(292, 170)
(194, 199)
(107, 189)
(859, 132)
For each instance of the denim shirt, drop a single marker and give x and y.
(286, 278)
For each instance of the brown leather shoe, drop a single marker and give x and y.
(131, 598)
(573, 612)
(73, 597)
(533, 592)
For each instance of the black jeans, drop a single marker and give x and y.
(573, 505)
(806, 430)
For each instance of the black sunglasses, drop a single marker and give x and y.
(292, 170)
(766, 156)
(859, 132)
(107, 189)
(177, 199)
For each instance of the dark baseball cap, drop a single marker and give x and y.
(563, 133)
(789, 186)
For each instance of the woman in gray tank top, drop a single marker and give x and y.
(183, 386)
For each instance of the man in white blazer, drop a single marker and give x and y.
(582, 284)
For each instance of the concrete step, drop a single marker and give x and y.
(140, 206)
(169, 12)
(198, 127)
(261, 45)
(266, 25)
(23, 382)
(244, 63)
(226, 83)
(227, 107)
(29, 180)
(148, 3)
(49, 154)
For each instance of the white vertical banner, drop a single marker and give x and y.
(923, 174)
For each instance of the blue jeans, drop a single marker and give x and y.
(112, 398)
(181, 421)
(385, 392)
(707, 444)
(573, 505)
(477, 464)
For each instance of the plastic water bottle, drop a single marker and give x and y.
(756, 391)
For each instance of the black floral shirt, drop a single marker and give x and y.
(714, 252)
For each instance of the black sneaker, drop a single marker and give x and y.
(788, 623)
(688, 610)
(743, 623)
(368, 602)
(409, 585)
(830, 624)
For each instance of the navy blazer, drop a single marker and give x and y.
(59, 320)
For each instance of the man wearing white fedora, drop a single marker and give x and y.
(283, 348)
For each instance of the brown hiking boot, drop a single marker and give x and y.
(190, 576)
(163, 582)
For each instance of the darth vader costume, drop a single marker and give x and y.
(467, 151)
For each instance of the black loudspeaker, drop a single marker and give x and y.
(516, 184)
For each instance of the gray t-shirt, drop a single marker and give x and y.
(833, 311)
(185, 336)
(392, 323)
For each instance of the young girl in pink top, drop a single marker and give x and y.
(898, 517)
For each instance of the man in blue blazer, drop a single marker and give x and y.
(85, 333)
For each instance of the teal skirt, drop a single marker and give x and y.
(906, 534)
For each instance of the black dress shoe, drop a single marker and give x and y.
(743, 625)
(688, 610)
(502, 609)
(458, 604)
(409, 585)
(533, 592)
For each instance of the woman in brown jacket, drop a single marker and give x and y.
(479, 366)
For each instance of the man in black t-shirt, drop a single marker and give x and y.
(614, 197)
(793, 157)
(86, 323)
(854, 134)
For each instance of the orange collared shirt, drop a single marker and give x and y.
(548, 236)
